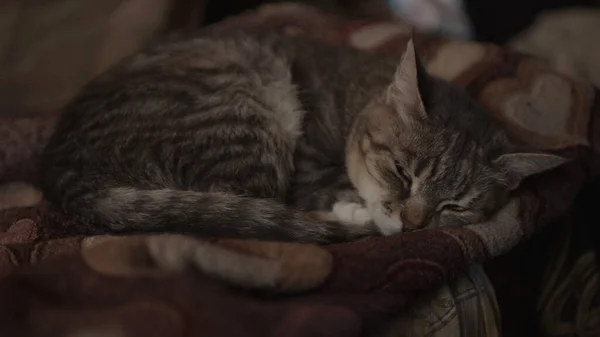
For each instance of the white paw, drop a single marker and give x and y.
(351, 213)
(386, 225)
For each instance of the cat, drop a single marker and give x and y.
(260, 135)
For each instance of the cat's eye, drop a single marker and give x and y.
(401, 171)
(454, 208)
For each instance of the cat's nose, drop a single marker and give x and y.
(410, 222)
(413, 215)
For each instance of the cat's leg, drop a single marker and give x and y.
(333, 198)
(351, 212)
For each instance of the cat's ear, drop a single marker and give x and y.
(523, 165)
(404, 94)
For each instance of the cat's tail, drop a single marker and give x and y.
(126, 209)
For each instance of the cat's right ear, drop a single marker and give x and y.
(523, 165)
(404, 93)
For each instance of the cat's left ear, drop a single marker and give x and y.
(523, 165)
(405, 93)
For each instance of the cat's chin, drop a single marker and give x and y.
(386, 225)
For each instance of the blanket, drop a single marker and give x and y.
(53, 284)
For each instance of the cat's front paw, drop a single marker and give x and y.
(351, 213)
(386, 224)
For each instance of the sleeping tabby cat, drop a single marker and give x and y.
(273, 137)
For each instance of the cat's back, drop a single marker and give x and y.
(156, 115)
(174, 74)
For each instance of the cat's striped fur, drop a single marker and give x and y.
(246, 135)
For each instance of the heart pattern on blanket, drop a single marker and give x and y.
(454, 58)
(545, 108)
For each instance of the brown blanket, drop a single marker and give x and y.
(170, 285)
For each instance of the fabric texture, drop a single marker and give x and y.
(172, 285)
(566, 38)
(550, 285)
(49, 50)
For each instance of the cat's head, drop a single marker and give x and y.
(425, 155)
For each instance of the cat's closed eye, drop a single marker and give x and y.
(453, 208)
(401, 172)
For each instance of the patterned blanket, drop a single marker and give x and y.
(171, 285)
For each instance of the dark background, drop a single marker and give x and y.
(493, 20)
